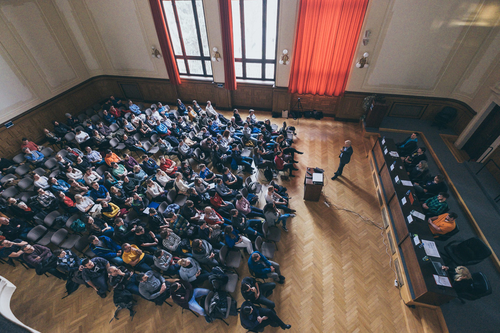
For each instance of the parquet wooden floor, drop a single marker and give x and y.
(338, 276)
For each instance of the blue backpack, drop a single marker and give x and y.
(78, 226)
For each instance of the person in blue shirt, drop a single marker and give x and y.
(57, 185)
(34, 157)
(99, 193)
(110, 119)
(134, 108)
(264, 268)
(408, 146)
(241, 160)
(206, 174)
(181, 108)
(106, 248)
(234, 239)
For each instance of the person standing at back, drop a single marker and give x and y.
(345, 158)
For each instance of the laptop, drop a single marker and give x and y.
(438, 267)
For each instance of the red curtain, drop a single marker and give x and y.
(226, 20)
(325, 42)
(165, 44)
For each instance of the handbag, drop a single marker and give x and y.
(284, 114)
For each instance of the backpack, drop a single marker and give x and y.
(218, 305)
(174, 208)
(318, 114)
(218, 278)
(276, 114)
(254, 187)
(308, 114)
(268, 173)
(60, 221)
(77, 226)
(123, 299)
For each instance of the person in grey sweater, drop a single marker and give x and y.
(164, 261)
(153, 287)
(204, 253)
(191, 271)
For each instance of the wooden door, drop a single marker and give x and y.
(483, 137)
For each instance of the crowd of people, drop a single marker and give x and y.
(154, 226)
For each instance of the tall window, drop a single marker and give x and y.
(188, 33)
(255, 31)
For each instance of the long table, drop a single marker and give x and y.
(407, 228)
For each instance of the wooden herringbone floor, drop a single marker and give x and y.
(338, 276)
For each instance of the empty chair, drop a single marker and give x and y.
(95, 118)
(36, 233)
(70, 137)
(25, 183)
(22, 169)
(116, 144)
(232, 282)
(469, 252)
(51, 163)
(47, 152)
(137, 136)
(230, 258)
(70, 241)
(8, 177)
(50, 218)
(54, 173)
(62, 152)
(162, 207)
(82, 117)
(96, 107)
(25, 196)
(148, 112)
(267, 249)
(19, 158)
(171, 196)
(480, 287)
(101, 114)
(244, 192)
(89, 112)
(100, 170)
(154, 138)
(150, 148)
(10, 192)
(59, 236)
(272, 234)
(82, 246)
(45, 240)
(40, 171)
(114, 127)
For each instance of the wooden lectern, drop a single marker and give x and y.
(312, 191)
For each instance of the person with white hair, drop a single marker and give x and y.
(345, 158)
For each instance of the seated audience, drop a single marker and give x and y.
(442, 224)
(264, 268)
(256, 319)
(436, 205)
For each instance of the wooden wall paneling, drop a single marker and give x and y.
(201, 91)
(222, 99)
(253, 96)
(106, 87)
(327, 104)
(281, 99)
(157, 91)
(350, 107)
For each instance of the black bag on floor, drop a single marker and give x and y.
(308, 114)
(268, 173)
(276, 114)
(218, 278)
(318, 114)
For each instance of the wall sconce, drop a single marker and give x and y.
(363, 61)
(366, 38)
(155, 53)
(284, 59)
(216, 57)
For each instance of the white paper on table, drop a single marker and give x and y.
(403, 201)
(410, 219)
(146, 211)
(416, 240)
(394, 154)
(419, 215)
(442, 280)
(386, 151)
(392, 167)
(406, 183)
(211, 185)
(431, 249)
(383, 141)
(396, 179)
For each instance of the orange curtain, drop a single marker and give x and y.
(165, 44)
(325, 42)
(226, 20)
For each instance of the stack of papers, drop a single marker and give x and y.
(442, 280)
(394, 154)
(406, 183)
(418, 215)
(431, 249)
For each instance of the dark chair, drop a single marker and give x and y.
(100, 170)
(95, 119)
(232, 281)
(444, 117)
(51, 163)
(25, 183)
(447, 236)
(480, 287)
(151, 149)
(469, 252)
(22, 169)
(36, 233)
(82, 246)
(39, 171)
(114, 127)
(8, 177)
(272, 233)
(117, 144)
(266, 248)
(59, 236)
(47, 152)
(19, 158)
(228, 258)
(10, 192)
(51, 218)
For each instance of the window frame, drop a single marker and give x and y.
(263, 61)
(185, 57)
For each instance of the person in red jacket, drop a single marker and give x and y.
(282, 166)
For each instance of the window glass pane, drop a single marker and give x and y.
(253, 28)
(254, 71)
(271, 26)
(195, 67)
(181, 66)
(203, 29)
(188, 27)
(235, 6)
(208, 66)
(172, 27)
(270, 71)
(238, 68)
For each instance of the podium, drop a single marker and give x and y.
(312, 190)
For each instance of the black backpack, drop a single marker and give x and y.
(218, 305)
(218, 278)
(268, 173)
(308, 114)
(318, 114)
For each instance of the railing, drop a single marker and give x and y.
(497, 198)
